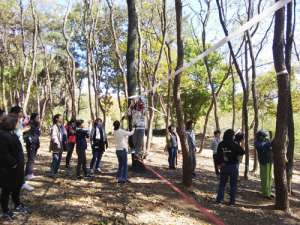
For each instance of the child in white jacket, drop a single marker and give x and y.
(121, 144)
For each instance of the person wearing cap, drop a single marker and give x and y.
(71, 130)
(17, 110)
(262, 145)
(32, 144)
(138, 113)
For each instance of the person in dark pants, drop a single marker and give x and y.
(214, 146)
(228, 160)
(121, 144)
(71, 130)
(81, 146)
(98, 140)
(11, 168)
(172, 146)
(32, 144)
(239, 137)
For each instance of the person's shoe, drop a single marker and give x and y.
(92, 171)
(219, 203)
(79, 177)
(231, 204)
(30, 177)
(9, 216)
(269, 198)
(272, 196)
(126, 182)
(21, 209)
(27, 187)
(120, 181)
(68, 167)
(98, 170)
(87, 176)
(52, 176)
(130, 151)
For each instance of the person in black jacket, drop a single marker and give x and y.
(32, 144)
(11, 168)
(71, 130)
(2, 115)
(228, 160)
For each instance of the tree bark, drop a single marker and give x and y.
(290, 124)
(33, 57)
(3, 86)
(187, 160)
(278, 144)
(245, 116)
(73, 68)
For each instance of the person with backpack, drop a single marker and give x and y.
(228, 160)
(58, 144)
(98, 140)
(81, 147)
(11, 168)
(71, 130)
(32, 144)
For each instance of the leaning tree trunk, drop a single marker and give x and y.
(290, 124)
(187, 160)
(283, 82)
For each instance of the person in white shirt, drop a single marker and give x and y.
(121, 144)
(214, 146)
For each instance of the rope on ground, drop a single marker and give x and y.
(213, 218)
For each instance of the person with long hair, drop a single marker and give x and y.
(71, 130)
(172, 146)
(18, 111)
(228, 160)
(11, 168)
(98, 140)
(58, 143)
(190, 135)
(121, 144)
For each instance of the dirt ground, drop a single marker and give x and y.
(148, 200)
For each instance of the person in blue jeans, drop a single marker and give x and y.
(121, 144)
(98, 143)
(172, 146)
(228, 160)
(58, 143)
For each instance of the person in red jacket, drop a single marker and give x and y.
(71, 130)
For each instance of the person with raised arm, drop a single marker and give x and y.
(121, 144)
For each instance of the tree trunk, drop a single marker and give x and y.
(140, 51)
(187, 160)
(255, 106)
(278, 144)
(290, 124)
(73, 69)
(33, 58)
(244, 90)
(233, 101)
(3, 86)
